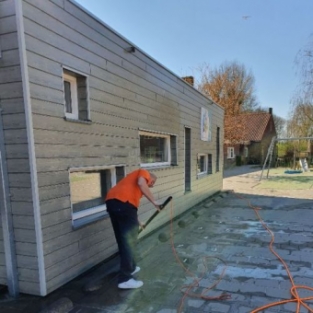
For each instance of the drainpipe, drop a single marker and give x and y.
(6, 217)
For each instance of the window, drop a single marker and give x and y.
(246, 152)
(89, 187)
(210, 170)
(76, 103)
(202, 164)
(230, 153)
(157, 149)
(187, 159)
(217, 149)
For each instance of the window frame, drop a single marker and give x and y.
(230, 152)
(74, 96)
(205, 172)
(168, 146)
(246, 152)
(92, 214)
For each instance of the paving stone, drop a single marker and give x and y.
(252, 288)
(195, 303)
(306, 281)
(285, 284)
(245, 309)
(232, 286)
(277, 293)
(237, 297)
(291, 307)
(267, 283)
(219, 308)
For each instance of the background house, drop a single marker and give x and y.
(81, 107)
(257, 130)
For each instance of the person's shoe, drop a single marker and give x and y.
(130, 284)
(136, 270)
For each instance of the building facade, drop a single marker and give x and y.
(81, 107)
(257, 131)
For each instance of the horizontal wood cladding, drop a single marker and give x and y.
(14, 121)
(72, 272)
(27, 262)
(7, 24)
(11, 90)
(17, 151)
(12, 105)
(9, 41)
(84, 237)
(81, 138)
(28, 275)
(84, 40)
(97, 128)
(7, 8)
(10, 74)
(3, 274)
(29, 287)
(22, 208)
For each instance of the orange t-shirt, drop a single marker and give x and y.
(127, 189)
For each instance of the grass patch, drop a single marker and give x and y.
(287, 183)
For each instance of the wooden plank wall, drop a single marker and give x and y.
(127, 91)
(11, 95)
(3, 274)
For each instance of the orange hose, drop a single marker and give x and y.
(293, 290)
(196, 280)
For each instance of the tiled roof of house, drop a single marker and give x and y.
(253, 124)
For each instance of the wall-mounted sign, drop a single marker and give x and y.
(206, 129)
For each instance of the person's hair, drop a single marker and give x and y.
(153, 176)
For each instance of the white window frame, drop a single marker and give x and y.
(246, 152)
(84, 217)
(205, 163)
(230, 153)
(73, 83)
(168, 148)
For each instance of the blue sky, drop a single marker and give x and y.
(183, 35)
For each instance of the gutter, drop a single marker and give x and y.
(31, 145)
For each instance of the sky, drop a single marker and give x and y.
(183, 35)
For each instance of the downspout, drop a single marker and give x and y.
(7, 222)
(31, 145)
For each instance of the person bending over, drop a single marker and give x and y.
(122, 203)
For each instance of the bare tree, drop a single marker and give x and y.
(304, 62)
(230, 86)
(280, 126)
(300, 123)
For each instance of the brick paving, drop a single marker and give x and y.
(224, 230)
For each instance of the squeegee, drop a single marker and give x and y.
(161, 206)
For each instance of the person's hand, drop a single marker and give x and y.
(157, 205)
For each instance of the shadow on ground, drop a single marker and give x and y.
(241, 170)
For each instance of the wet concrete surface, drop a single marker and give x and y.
(220, 236)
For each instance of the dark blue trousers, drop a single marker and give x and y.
(125, 224)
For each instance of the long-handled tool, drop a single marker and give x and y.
(161, 206)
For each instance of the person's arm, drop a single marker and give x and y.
(142, 183)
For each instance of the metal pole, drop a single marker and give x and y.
(6, 217)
